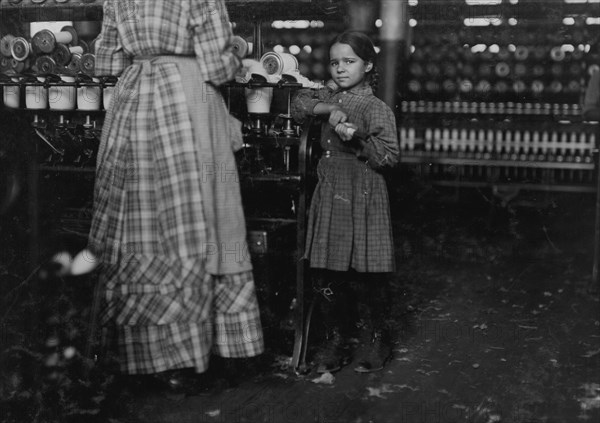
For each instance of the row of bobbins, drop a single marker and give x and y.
(47, 52)
(58, 92)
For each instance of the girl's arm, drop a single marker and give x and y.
(377, 143)
(309, 102)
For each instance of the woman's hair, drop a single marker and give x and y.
(364, 48)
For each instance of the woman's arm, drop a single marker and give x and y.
(213, 38)
(111, 59)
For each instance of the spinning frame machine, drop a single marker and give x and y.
(492, 118)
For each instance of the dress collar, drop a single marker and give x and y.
(358, 90)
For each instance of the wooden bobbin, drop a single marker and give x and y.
(45, 41)
(6, 44)
(88, 64)
(20, 49)
(75, 63)
(45, 64)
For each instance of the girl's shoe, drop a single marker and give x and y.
(333, 355)
(375, 355)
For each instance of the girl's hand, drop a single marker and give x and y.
(331, 85)
(346, 130)
(337, 115)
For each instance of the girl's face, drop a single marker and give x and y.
(347, 69)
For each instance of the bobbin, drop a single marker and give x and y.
(20, 49)
(6, 44)
(45, 64)
(45, 41)
(279, 63)
(87, 64)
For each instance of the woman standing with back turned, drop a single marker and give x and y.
(168, 224)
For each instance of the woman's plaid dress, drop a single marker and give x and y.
(168, 224)
(349, 225)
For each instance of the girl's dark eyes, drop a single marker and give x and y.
(345, 61)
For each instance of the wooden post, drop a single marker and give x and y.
(362, 15)
(393, 36)
(595, 276)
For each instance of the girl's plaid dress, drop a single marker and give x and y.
(168, 224)
(349, 225)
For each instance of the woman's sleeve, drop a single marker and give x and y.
(111, 59)
(378, 143)
(213, 40)
(304, 101)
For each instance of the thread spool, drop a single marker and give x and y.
(108, 91)
(88, 95)
(62, 95)
(12, 93)
(4, 64)
(483, 87)
(74, 64)
(36, 94)
(88, 64)
(258, 100)
(557, 54)
(466, 86)
(61, 55)
(521, 53)
(85, 48)
(414, 86)
(502, 69)
(20, 49)
(556, 87)
(18, 66)
(240, 47)
(537, 87)
(45, 41)
(519, 87)
(6, 44)
(279, 63)
(45, 64)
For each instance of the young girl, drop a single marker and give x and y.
(349, 242)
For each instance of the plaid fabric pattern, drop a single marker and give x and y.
(168, 223)
(232, 329)
(349, 224)
(158, 27)
(379, 145)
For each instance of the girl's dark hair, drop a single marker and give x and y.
(364, 48)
